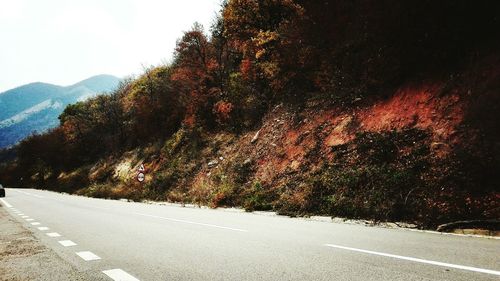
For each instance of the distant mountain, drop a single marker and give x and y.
(35, 107)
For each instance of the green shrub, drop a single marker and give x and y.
(257, 198)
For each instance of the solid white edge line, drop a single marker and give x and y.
(6, 203)
(67, 243)
(192, 222)
(450, 265)
(119, 275)
(88, 256)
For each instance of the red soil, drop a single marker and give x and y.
(286, 147)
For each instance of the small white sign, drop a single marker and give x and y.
(141, 168)
(141, 177)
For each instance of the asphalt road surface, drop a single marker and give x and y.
(118, 240)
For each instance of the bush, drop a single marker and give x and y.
(376, 176)
(257, 198)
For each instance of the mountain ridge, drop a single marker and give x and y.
(45, 100)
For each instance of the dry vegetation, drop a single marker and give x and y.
(358, 109)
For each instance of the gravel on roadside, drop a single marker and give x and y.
(23, 257)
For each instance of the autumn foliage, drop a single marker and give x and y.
(262, 53)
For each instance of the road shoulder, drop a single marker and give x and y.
(24, 257)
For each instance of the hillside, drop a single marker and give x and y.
(35, 107)
(383, 111)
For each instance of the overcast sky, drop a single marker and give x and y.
(63, 42)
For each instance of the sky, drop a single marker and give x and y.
(65, 41)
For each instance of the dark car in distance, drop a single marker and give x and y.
(2, 191)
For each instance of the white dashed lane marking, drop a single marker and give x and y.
(88, 256)
(443, 264)
(119, 275)
(67, 243)
(115, 274)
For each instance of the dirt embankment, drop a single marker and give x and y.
(425, 153)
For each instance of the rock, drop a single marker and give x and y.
(221, 158)
(391, 225)
(255, 137)
(338, 220)
(437, 145)
(247, 161)
(212, 163)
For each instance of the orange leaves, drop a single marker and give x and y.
(264, 40)
(192, 49)
(212, 65)
(222, 110)
(247, 69)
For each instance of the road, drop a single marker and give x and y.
(119, 240)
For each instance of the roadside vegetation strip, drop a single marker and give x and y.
(119, 275)
(443, 264)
